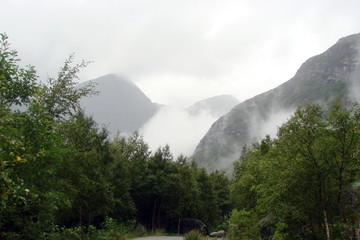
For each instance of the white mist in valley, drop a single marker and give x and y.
(270, 126)
(176, 127)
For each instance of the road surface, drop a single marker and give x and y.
(159, 238)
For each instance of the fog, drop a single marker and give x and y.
(176, 127)
(170, 49)
(276, 118)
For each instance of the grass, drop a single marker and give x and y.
(193, 235)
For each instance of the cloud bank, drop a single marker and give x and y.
(173, 48)
(176, 127)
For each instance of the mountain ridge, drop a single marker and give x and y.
(216, 106)
(320, 79)
(120, 105)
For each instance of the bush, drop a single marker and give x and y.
(66, 234)
(243, 225)
(110, 230)
(193, 235)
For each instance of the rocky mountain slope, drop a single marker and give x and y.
(215, 106)
(322, 78)
(120, 105)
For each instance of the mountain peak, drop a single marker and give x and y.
(322, 78)
(113, 78)
(120, 104)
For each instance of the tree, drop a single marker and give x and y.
(60, 96)
(208, 207)
(17, 84)
(161, 172)
(85, 171)
(300, 185)
(121, 179)
(189, 192)
(222, 193)
(30, 146)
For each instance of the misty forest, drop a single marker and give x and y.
(62, 175)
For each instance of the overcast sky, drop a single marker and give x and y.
(182, 51)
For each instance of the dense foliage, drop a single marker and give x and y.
(61, 177)
(303, 185)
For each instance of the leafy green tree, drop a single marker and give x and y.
(30, 146)
(189, 197)
(341, 153)
(300, 185)
(17, 84)
(85, 171)
(120, 179)
(161, 183)
(208, 207)
(137, 154)
(243, 225)
(60, 96)
(222, 193)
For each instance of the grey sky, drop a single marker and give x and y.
(182, 51)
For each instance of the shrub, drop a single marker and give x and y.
(193, 235)
(243, 225)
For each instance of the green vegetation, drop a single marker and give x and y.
(301, 185)
(61, 177)
(193, 235)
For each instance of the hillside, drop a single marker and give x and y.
(321, 79)
(215, 106)
(120, 105)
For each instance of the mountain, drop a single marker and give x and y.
(322, 78)
(120, 105)
(216, 106)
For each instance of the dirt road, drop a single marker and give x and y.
(159, 238)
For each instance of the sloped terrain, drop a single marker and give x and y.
(321, 79)
(216, 106)
(120, 105)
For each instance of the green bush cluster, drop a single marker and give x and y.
(193, 235)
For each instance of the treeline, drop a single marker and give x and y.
(59, 170)
(305, 183)
(61, 177)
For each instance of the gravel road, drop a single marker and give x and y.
(159, 238)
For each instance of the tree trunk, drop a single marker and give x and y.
(179, 227)
(326, 224)
(322, 202)
(153, 216)
(81, 222)
(158, 214)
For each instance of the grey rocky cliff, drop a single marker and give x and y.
(215, 106)
(321, 79)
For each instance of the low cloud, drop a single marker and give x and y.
(176, 127)
(236, 47)
(271, 124)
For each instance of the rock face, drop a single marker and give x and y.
(217, 234)
(215, 106)
(322, 78)
(120, 105)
